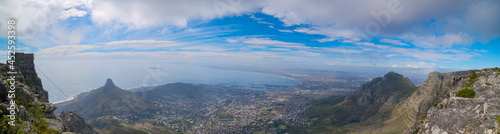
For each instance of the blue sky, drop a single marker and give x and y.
(415, 36)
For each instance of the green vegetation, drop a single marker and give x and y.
(473, 78)
(424, 117)
(282, 126)
(132, 130)
(498, 70)
(466, 93)
(21, 85)
(260, 132)
(39, 124)
(487, 83)
(324, 107)
(416, 131)
(498, 119)
(435, 104)
(222, 114)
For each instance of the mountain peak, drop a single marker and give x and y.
(109, 83)
(393, 75)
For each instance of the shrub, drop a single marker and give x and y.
(498, 119)
(473, 78)
(21, 85)
(466, 93)
(416, 131)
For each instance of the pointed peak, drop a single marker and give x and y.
(109, 83)
(393, 74)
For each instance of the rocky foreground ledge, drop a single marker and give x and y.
(471, 105)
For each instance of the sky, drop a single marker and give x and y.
(416, 37)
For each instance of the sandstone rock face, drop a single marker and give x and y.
(466, 115)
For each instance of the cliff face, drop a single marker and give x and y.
(33, 112)
(478, 112)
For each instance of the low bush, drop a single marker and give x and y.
(466, 93)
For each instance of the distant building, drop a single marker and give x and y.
(25, 61)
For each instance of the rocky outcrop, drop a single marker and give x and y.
(75, 123)
(478, 114)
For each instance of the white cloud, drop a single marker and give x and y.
(267, 42)
(447, 40)
(60, 51)
(332, 33)
(370, 44)
(232, 40)
(394, 42)
(72, 13)
(416, 65)
(139, 14)
(141, 44)
(286, 31)
(341, 50)
(136, 42)
(431, 55)
(33, 16)
(339, 19)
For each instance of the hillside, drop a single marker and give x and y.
(376, 97)
(189, 91)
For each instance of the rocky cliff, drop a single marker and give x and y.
(33, 112)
